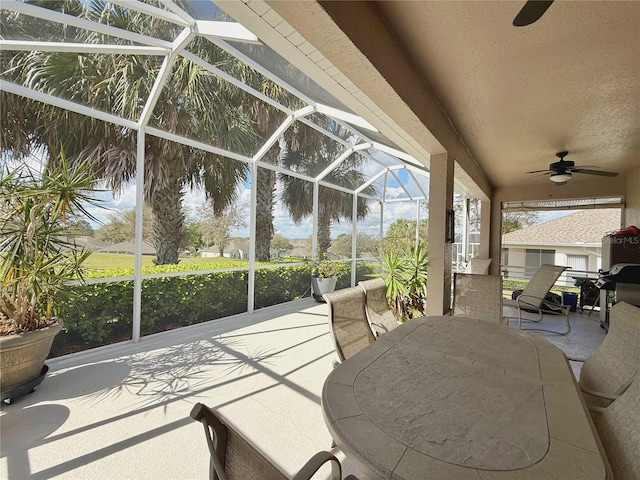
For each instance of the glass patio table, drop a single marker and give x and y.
(448, 397)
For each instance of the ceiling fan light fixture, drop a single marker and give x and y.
(560, 177)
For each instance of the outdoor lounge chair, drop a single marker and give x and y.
(611, 368)
(380, 316)
(234, 457)
(619, 430)
(478, 296)
(348, 323)
(478, 266)
(533, 298)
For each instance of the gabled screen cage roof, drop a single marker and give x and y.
(202, 36)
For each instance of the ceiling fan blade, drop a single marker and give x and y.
(541, 171)
(594, 172)
(544, 172)
(530, 12)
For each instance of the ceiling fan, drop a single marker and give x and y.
(531, 12)
(561, 171)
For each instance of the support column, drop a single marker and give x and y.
(465, 233)
(494, 210)
(251, 274)
(485, 230)
(440, 250)
(137, 259)
(354, 235)
(417, 234)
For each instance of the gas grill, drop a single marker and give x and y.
(619, 273)
(622, 282)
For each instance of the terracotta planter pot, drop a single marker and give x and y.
(22, 356)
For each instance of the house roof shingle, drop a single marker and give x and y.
(128, 247)
(583, 227)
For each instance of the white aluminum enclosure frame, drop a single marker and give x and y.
(219, 34)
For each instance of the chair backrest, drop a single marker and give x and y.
(478, 296)
(619, 430)
(614, 364)
(348, 324)
(478, 266)
(540, 284)
(380, 316)
(232, 457)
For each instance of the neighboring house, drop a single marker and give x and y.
(89, 243)
(234, 249)
(301, 252)
(128, 247)
(574, 240)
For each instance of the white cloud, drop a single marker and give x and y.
(125, 199)
(193, 198)
(394, 192)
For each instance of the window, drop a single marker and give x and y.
(504, 257)
(536, 257)
(577, 262)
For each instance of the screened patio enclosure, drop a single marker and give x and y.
(173, 102)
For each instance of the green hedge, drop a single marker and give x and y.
(103, 313)
(511, 284)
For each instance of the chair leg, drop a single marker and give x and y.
(565, 312)
(595, 303)
(530, 320)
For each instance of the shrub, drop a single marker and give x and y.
(103, 313)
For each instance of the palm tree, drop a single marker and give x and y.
(194, 103)
(267, 120)
(333, 205)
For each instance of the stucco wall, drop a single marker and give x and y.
(517, 255)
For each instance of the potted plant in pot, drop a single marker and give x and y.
(37, 261)
(406, 278)
(324, 274)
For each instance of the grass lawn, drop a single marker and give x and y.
(109, 261)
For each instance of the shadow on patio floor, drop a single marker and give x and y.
(122, 411)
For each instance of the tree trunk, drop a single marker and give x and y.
(168, 222)
(324, 232)
(266, 184)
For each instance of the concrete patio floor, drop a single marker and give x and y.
(122, 411)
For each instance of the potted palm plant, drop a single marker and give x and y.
(37, 261)
(406, 278)
(324, 274)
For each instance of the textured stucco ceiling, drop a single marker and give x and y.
(570, 81)
(514, 96)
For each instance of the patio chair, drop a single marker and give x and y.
(611, 368)
(380, 316)
(348, 323)
(478, 296)
(533, 299)
(235, 457)
(478, 266)
(619, 431)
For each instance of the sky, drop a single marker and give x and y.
(550, 215)
(283, 223)
(125, 199)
